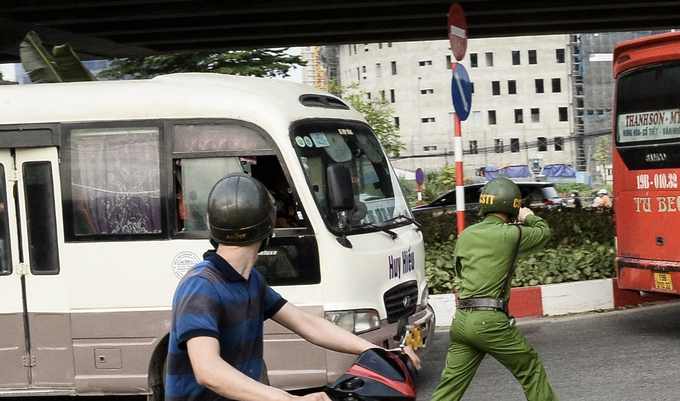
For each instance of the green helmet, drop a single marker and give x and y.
(240, 210)
(500, 195)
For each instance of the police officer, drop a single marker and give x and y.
(484, 255)
(219, 308)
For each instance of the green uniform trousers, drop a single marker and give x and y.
(474, 334)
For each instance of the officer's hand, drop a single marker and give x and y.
(523, 213)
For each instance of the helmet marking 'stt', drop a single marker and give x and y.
(240, 210)
(500, 195)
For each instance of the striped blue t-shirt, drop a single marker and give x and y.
(214, 300)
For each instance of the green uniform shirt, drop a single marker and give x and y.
(484, 251)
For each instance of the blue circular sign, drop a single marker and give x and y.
(461, 92)
(420, 176)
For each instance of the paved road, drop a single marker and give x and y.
(625, 355)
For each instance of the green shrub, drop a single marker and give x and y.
(581, 247)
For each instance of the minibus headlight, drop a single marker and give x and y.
(356, 322)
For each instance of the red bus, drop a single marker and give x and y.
(646, 163)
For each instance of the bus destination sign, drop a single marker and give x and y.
(648, 126)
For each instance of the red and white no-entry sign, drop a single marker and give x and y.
(458, 34)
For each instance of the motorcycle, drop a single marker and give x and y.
(377, 375)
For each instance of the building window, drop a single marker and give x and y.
(427, 91)
(477, 118)
(515, 57)
(563, 114)
(473, 60)
(358, 74)
(355, 49)
(514, 145)
(365, 48)
(380, 45)
(392, 96)
(498, 145)
(473, 147)
(489, 59)
(368, 95)
(382, 94)
(559, 56)
(394, 68)
(423, 63)
(377, 70)
(535, 116)
(532, 57)
(495, 88)
(559, 143)
(429, 148)
(492, 117)
(539, 85)
(519, 116)
(472, 87)
(542, 144)
(448, 62)
(556, 85)
(426, 120)
(396, 122)
(512, 87)
(363, 71)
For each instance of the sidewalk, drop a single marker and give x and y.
(554, 299)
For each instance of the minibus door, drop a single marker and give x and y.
(39, 301)
(14, 370)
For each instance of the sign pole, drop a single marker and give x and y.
(461, 93)
(460, 189)
(420, 178)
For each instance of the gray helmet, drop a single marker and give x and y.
(502, 196)
(240, 210)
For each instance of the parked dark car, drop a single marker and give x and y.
(534, 194)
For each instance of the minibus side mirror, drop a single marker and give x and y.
(340, 195)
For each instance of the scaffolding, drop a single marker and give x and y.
(320, 68)
(578, 101)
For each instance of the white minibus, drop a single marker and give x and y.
(103, 191)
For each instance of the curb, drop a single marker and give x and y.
(555, 299)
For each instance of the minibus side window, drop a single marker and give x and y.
(115, 181)
(5, 249)
(41, 216)
(194, 180)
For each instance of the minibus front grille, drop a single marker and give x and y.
(401, 301)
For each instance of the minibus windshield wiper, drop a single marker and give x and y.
(387, 231)
(410, 220)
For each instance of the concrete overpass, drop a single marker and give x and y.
(133, 28)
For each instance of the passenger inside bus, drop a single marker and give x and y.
(269, 172)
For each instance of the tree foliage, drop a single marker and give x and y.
(377, 112)
(603, 154)
(438, 182)
(269, 63)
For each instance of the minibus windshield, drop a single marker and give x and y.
(320, 144)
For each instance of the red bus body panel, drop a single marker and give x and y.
(647, 217)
